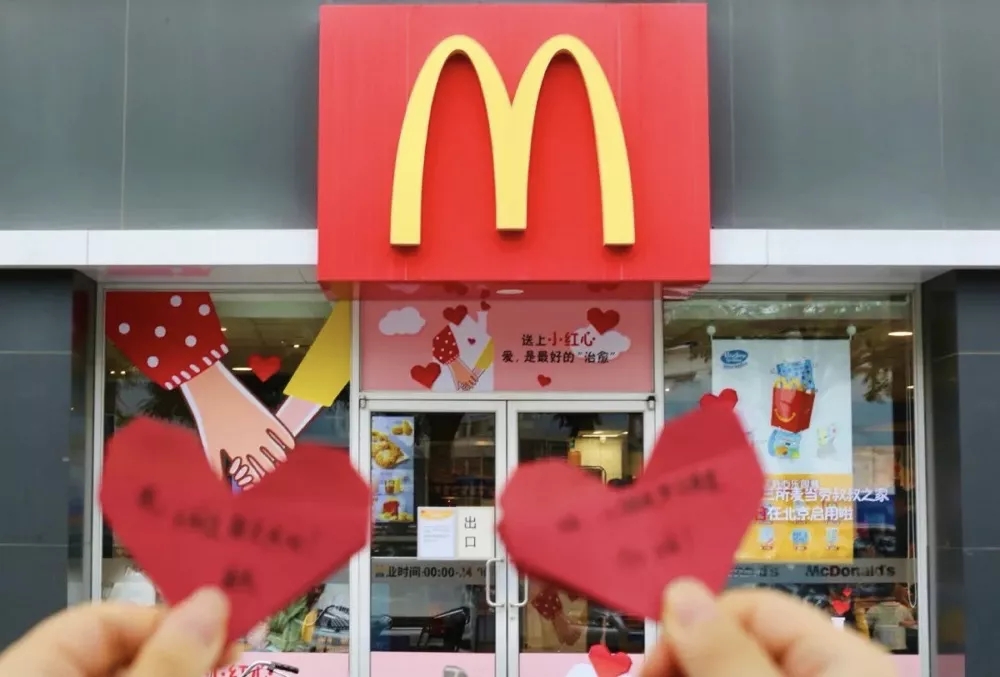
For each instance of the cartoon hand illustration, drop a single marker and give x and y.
(176, 340)
(445, 351)
(464, 378)
(239, 435)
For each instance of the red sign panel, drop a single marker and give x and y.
(513, 143)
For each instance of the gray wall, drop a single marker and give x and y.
(154, 114)
(44, 360)
(963, 367)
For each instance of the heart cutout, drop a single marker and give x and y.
(425, 374)
(455, 315)
(264, 547)
(471, 340)
(264, 367)
(648, 533)
(607, 664)
(484, 305)
(544, 380)
(726, 396)
(603, 320)
(840, 606)
(456, 288)
(484, 294)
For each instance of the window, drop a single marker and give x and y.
(838, 524)
(220, 363)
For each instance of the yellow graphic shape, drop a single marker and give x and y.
(326, 367)
(511, 123)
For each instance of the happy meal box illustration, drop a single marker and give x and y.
(793, 396)
(464, 349)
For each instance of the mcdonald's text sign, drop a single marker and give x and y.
(503, 143)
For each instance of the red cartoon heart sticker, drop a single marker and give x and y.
(455, 315)
(263, 547)
(607, 664)
(264, 367)
(726, 396)
(425, 374)
(685, 516)
(544, 380)
(603, 320)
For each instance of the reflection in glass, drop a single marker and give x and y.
(422, 460)
(878, 598)
(609, 446)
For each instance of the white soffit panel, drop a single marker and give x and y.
(752, 256)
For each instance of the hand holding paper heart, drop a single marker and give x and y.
(264, 547)
(685, 516)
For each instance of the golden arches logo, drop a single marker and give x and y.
(511, 123)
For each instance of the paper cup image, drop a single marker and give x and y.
(800, 539)
(765, 538)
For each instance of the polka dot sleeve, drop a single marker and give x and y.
(547, 603)
(170, 337)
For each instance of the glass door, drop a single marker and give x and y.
(436, 569)
(551, 630)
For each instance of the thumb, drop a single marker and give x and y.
(704, 641)
(189, 641)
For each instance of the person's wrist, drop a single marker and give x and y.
(206, 381)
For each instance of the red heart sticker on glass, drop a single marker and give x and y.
(264, 547)
(726, 396)
(607, 664)
(684, 516)
(264, 367)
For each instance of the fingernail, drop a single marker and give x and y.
(689, 602)
(202, 616)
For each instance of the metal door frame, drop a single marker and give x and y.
(646, 407)
(363, 571)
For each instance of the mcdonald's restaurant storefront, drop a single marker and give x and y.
(513, 248)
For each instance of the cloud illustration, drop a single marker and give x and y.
(402, 322)
(611, 342)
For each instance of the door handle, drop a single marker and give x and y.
(492, 603)
(521, 603)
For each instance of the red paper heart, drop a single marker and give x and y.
(264, 367)
(603, 320)
(456, 288)
(726, 396)
(840, 606)
(264, 547)
(455, 315)
(644, 535)
(607, 664)
(544, 380)
(484, 305)
(484, 294)
(425, 374)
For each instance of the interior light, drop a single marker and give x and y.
(901, 333)
(241, 368)
(296, 345)
(666, 390)
(909, 387)
(509, 292)
(223, 329)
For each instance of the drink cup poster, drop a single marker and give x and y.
(794, 397)
(486, 344)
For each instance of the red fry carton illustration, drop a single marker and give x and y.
(791, 409)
